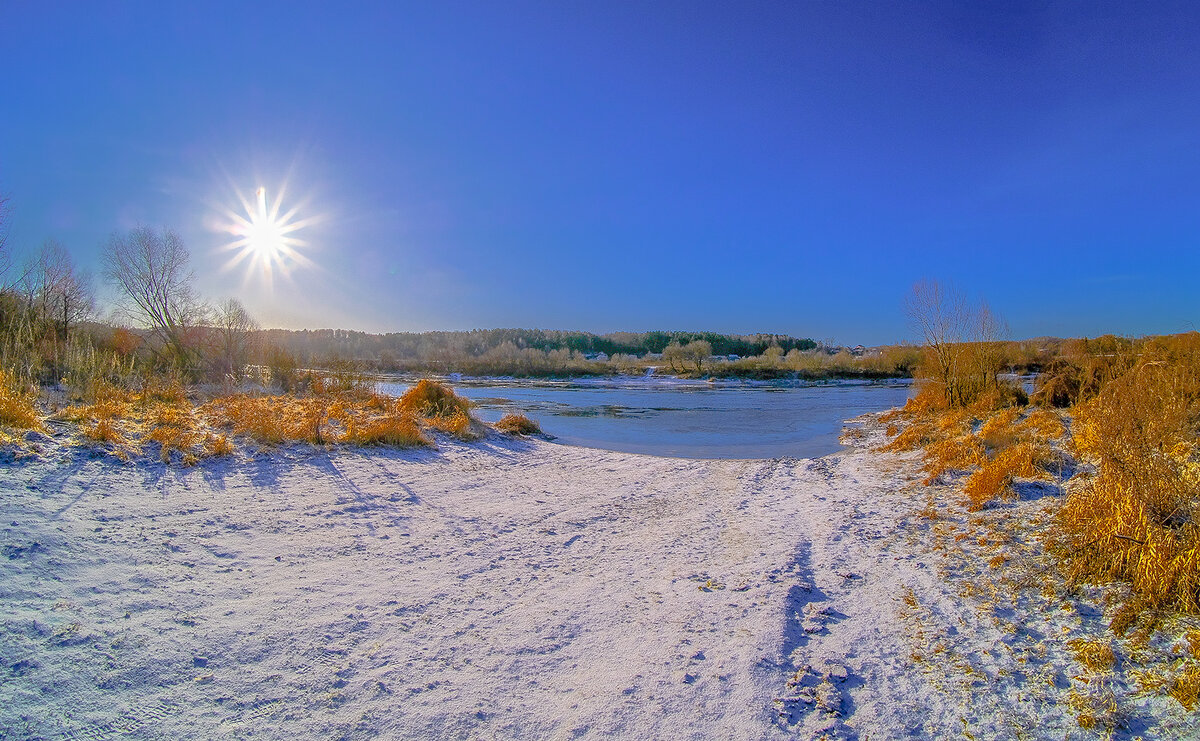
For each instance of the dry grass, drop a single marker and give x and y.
(1185, 688)
(1042, 424)
(431, 399)
(345, 412)
(1097, 656)
(460, 425)
(104, 431)
(993, 445)
(397, 430)
(1136, 519)
(518, 424)
(17, 408)
(958, 453)
(999, 432)
(994, 477)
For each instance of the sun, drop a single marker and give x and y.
(265, 240)
(265, 234)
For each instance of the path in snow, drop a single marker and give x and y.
(501, 589)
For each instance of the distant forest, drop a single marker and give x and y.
(397, 351)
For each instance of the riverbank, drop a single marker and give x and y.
(518, 588)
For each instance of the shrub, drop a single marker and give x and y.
(518, 424)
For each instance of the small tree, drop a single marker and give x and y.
(698, 351)
(672, 353)
(61, 294)
(773, 356)
(940, 315)
(233, 332)
(988, 332)
(5, 257)
(151, 270)
(964, 348)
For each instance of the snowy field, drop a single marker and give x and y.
(507, 589)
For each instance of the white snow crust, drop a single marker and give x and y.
(500, 589)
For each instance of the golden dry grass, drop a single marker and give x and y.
(1185, 688)
(344, 413)
(398, 430)
(431, 399)
(994, 477)
(1136, 519)
(518, 424)
(274, 420)
(1097, 656)
(458, 424)
(958, 453)
(17, 408)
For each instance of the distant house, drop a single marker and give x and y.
(857, 350)
(601, 357)
(731, 356)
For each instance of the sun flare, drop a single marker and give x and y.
(265, 239)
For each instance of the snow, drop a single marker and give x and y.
(506, 588)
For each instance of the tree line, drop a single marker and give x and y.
(397, 350)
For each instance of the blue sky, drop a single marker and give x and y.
(741, 167)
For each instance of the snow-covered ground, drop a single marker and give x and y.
(511, 589)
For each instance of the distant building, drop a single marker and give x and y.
(731, 356)
(857, 350)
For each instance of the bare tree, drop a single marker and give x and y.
(965, 344)
(941, 316)
(5, 255)
(151, 269)
(233, 333)
(59, 293)
(989, 332)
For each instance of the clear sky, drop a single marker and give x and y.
(730, 166)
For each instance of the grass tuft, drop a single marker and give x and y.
(1185, 688)
(1097, 656)
(399, 430)
(518, 424)
(17, 404)
(431, 399)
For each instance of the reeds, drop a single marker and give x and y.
(1136, 519)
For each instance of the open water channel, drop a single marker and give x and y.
(681, 418)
